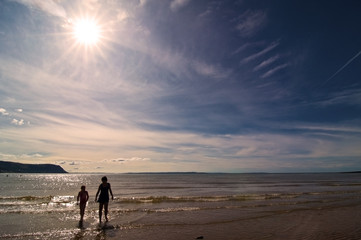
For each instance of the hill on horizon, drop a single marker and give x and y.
(13, 167)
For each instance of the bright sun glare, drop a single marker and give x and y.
(86, 31)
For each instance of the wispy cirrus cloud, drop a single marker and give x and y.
(251, 22)
(348, 96)
(210, 70)
(266, 62)
(274, 70)
(175, 5)
(20, 157)
(341, 68)
(49, 6)
(258, 54)
(124, 160)
(331, 128)
(142, 2)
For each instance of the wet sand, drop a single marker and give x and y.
(324, 223)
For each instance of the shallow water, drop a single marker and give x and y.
(43, 206)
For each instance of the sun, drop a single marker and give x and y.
(86, 31)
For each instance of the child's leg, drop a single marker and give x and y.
(106, 211)
(100, 211)
(82, 210)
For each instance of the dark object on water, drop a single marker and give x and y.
(200, 237)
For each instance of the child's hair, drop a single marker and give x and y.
(104, 178)
(82, 187)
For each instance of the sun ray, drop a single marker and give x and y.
(87, 39)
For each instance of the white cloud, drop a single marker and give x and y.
(251, 22)
(49, 6)
(274, 70)
(123, 160)
(142, 2)
(209, 70)
(177, 4)
(266, 62)
(34, 155)
(4, 112)
(206, 13)
(20, 157)
(242, 48)
(6, 157)
(122, 15)
(261, 53)
(349, 96)
(17, 122)
(330, 128)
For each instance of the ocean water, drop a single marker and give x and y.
(43, 206)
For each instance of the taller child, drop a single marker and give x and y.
(103, 200)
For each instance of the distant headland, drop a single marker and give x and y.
(12, 167)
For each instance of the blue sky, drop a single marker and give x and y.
(182, 85)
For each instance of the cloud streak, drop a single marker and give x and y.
(250, 22)
(274, 70)
(48, 6)
(124, 160)
(266, 63)
(175, 5)
(210, 70)
(260, 53)
(343, 67)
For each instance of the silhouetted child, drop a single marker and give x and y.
(82, 198)
(103, 200)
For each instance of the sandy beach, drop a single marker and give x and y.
(330, 221)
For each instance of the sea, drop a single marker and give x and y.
(43, 206)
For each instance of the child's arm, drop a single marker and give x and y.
(96, 195)
(77, 198)
(87, 196)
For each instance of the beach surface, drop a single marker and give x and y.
(199, 206)
(328, 221)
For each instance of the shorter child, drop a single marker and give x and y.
(83, 196)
